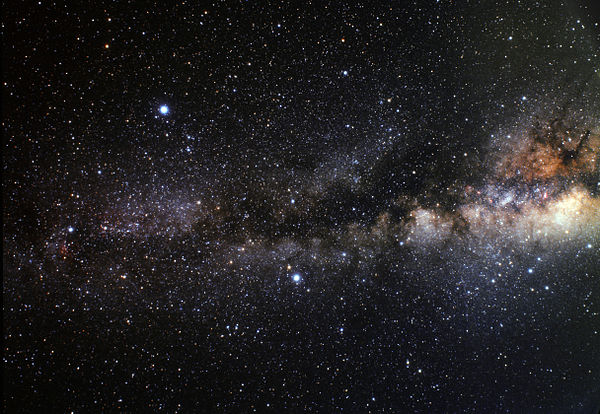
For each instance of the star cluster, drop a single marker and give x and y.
(252, 207)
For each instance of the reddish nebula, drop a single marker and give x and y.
(551, 151)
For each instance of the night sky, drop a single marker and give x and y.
(301, 207)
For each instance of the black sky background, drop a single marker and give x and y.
(148, 260)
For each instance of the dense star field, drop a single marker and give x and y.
(301, 207)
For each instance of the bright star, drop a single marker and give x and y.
(296, 277)
(164, 109)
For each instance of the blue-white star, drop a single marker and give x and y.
(164, 109)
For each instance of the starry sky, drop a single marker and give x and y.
(320, 207)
